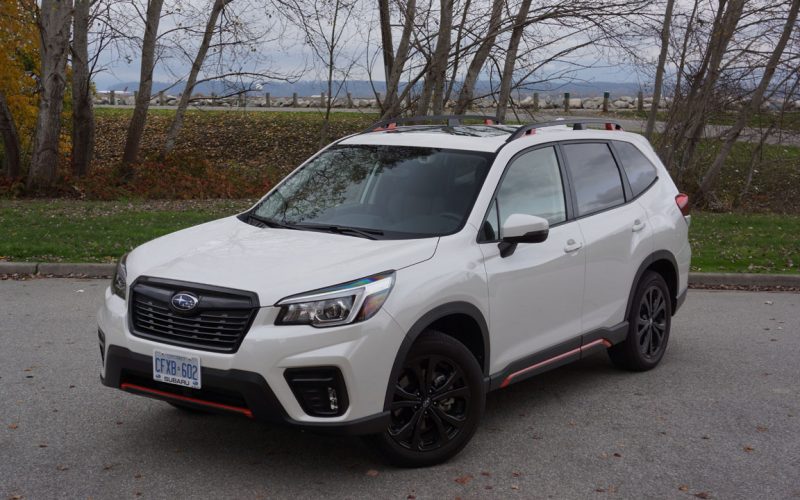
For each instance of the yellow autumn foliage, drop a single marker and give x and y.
(19, 64)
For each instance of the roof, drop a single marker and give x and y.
(488, 138)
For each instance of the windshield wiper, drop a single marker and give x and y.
(371, 234)
(271, 222)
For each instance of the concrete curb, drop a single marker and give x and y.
(744, 279)
(65, 269)
(58, 269)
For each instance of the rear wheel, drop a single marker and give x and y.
(649, 323)
(437, 402)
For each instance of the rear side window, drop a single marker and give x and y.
(641, 173)
(595, 176)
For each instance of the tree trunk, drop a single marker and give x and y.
(506, 79)
(83, 125)
(476, 65)
(54, 28)
(662, 60)
(10, 139)
(142, 104)
(386, 38)
(197, 64)
(391, 104)
(732, 134)
(433, 94)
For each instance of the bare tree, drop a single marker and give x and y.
(11, 148)
(136, 126)
(83, 125)
(197, 64)
(465, 96)
(507, 76)
(54, 22)
(433, 93)
(662, 61)
(392, 102)
(732, 134)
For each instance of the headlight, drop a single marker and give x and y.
(338, 305)
(119, 282)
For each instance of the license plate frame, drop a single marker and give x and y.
(177, 369)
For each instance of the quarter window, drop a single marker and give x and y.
(595, 176)
(641, 173)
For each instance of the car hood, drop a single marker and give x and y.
(272, 262)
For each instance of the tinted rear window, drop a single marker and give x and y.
(595, 176)
(641, 173)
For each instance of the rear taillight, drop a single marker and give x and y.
(682, 200)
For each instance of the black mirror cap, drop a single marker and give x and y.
(532, 237)
(508, 246)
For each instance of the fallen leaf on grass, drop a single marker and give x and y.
(466, 478)
(515, 474)
(761, 428)
(748, 449)
(12, 426)
(617, 455)
(42, 445)
(683, 487)
(487, 474)
(62, 467)
(372, 473)
(514, 487)
(703, 494)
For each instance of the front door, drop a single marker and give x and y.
(535, 293)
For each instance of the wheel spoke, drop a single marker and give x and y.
(404, 395)
(450, 419)
(460, 392)
(437, 421)
(399, 405)
(416, 439)
(403, 432)
(430, 369)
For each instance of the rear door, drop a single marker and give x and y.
(534, 294)
(615, 229)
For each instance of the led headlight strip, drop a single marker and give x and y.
(357, 300)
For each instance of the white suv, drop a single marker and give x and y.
(396, 277)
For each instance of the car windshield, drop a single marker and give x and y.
(387, 192)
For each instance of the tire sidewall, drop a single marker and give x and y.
(434, 342)
(648, 280)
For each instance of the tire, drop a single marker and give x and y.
(429, 429)
(649, 323)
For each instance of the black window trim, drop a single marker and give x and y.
(627, 193)
(565, 187)
(618, 159)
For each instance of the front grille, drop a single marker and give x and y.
(218, 323)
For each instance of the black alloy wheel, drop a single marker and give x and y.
(649, 323)
(437, 401)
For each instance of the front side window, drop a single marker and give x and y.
(595, 176)
(391, 191)
(532, 186)
(641, 173)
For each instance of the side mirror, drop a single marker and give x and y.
(522, 228)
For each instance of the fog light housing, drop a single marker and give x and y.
(320, 391)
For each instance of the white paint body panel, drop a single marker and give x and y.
(535, 299)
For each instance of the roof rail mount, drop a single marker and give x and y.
(452, 121)
(577, 124)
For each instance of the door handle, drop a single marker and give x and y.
(638, 225)
(572, 246)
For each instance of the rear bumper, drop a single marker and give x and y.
(224, 391)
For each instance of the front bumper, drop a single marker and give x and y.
(224, 391)
(252, 380)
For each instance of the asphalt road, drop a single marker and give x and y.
(720, 418)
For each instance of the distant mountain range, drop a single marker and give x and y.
(363, 88)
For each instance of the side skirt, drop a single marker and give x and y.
(559, 355)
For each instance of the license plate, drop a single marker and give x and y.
(176, 369)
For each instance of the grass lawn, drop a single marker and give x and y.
(96, 231)
(93, 231)
(750, 243)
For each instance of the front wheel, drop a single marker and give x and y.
(438, 399)
(649, 323)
